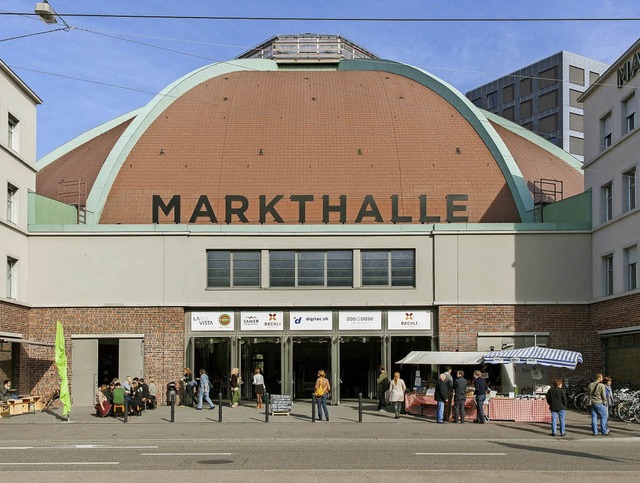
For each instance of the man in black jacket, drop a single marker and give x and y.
(481, 394)
(557, 400)
(460, 397)
(441, 395)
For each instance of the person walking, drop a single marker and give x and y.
(480, 386)
(460, 397)
(397, 389)
(448, 403)
(441, 395)
(258, 387)
(382, 387)
(235, 387)
(598, 398)
(203, 390)
(557, 401)
(320, 392)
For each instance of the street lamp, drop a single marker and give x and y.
(46, 12)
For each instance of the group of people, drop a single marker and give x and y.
(201, 388)
(135, 392)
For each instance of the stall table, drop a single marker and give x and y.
(519, 410)
(426, 405)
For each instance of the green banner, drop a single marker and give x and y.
(61, 364)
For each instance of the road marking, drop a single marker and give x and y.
(185, 454)
(76, 446)
(68, 463)
(461, 454)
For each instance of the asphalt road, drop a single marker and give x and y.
(343, 459)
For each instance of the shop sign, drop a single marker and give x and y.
(360, 320)
(629, 69)
(212, 321)
(271, 320)
(409, 320)
(311, 320)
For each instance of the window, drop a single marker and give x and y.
(548, 124)
(13, 139)
(477, 102)
(629, 113)
(629, 187)
(526, 86)
(606, 130)
(631, 268)
(492, 100)
(508, 113)
(526, 108)
(576, 146)
(548, 77)
(528, 126)
(576, 75)
(388, 268)
(12, 203)
(507, 93)
(607, 202)
(573, 98)
(548, 101)
(12, 278)
(331, 268)
(593, 76)
(576, 122)
(233, 268)
(607, 265)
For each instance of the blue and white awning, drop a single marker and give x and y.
(542, 356)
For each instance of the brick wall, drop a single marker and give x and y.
(14, 319)
(163, 330)
(568, 327)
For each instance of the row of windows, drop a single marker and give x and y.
(630, 267)
(311, 268)
(628, 122)
(629, 195)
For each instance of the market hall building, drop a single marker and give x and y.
(306, 206)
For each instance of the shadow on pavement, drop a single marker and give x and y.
(557, 451)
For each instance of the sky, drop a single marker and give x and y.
(99, 69)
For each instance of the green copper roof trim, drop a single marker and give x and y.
(147, 115)
(84, 138)
(534, 138)
(510, 170)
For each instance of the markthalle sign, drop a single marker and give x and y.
(237, 206)
(629, 69)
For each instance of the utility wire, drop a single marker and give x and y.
(33, 34)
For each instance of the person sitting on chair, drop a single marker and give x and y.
(102, 407)
(6, 392)
(119, 395)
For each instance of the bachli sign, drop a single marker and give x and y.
(236, 206)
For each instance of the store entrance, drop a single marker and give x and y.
(263, 353)
(400, 347)
(309, 356)
(360, 358)
(214, 356)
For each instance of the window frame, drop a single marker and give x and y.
(233, 276)
(12, 278)
(629, 186)
(606, 192)
(302, 281)
(13, 133)
(12, 203)
(630, 268)
(607, 272)
(391, 281)
(629, 119)
(606, 131)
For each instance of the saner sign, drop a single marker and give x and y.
(236, 207)
(629, 69)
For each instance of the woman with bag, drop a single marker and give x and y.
(258, 387)
(322, 388)
(235, 387)
(397, 389)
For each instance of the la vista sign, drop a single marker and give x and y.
(333, 209)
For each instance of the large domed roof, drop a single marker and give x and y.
(255, 140)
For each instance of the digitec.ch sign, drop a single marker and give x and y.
(236, 207)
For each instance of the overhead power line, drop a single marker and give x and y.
(343, 19)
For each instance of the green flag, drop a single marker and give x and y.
(61, 364)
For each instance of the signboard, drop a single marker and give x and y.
(272, 320)
(213, 321)
(409, 319)
(360, 320)
(311, 320)
(280, 403)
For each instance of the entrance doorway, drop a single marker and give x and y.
(263, 353)
(214, 356)
(400, 347)
(309, 356)
(360, 358)
(108, 360)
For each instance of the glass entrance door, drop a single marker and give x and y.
(309, 356)
(360, 358)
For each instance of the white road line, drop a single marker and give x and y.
(461, 454)
(75, 446)
(67, 463)
(185, 454)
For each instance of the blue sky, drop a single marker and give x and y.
(465, 55)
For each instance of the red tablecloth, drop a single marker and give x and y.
(521, 410)
(423, 405)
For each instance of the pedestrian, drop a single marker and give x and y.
(382, 387)
(557, 401)
(442, 392)
(609, 392)
(598, 398)
(397, 389)
(480, 386)
(235, 387)
(447, 408)
(203, 390)
(320, 392)
(258, 387)
(460, 397)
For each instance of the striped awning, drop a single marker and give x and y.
(542, 356)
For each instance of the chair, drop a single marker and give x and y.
(118, 401)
